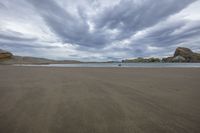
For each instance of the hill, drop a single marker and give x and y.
(8, 58)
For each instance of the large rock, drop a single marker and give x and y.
(184, 52)
(5, 55)
(183, 55)
(168, 59)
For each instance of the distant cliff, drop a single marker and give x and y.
(8, 58)
(183, 55)
(5, 55)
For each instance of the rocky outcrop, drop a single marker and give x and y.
(168, 59)
(4, 55)
(183, 55)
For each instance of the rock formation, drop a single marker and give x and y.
(5, 55)
(183, 55)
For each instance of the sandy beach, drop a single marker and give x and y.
(99, 100)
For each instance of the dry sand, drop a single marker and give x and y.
(99, 100)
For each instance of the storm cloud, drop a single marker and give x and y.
(99, 29)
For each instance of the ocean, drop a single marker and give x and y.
(136, 65)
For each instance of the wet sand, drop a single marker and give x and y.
(99, 100)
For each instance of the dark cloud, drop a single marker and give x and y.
(16, 38)
(20, 45)
(129, 17)
(165, 37)
(2, 5)
(19, 42)
(69, 28)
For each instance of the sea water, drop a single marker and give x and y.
(136, 65)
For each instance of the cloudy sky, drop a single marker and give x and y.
(98, 30)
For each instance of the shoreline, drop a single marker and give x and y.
(118, 65)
